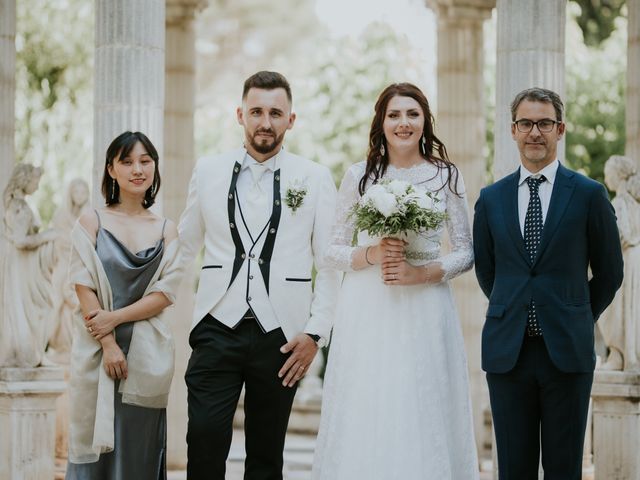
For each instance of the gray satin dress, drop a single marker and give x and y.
(140, 440)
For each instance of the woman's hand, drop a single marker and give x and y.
(388, 248)
(100, 323)
(114, 361)
(396, 272)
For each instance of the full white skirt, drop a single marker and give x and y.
(396, 397)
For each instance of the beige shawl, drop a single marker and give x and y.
(150, 360)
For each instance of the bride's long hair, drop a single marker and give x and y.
(434, 152)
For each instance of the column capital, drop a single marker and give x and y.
(181, 11)
(462, 10)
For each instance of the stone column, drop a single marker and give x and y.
(28, 421)
(616, 425)
(7, 92)
(530, 54)
(178, 160)
(460, 124)
(633, 81)
(129, 76)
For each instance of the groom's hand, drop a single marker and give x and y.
(303, 350)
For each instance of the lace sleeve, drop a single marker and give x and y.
(340, 251)
(461, 257)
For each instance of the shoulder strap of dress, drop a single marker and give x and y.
(99, 224)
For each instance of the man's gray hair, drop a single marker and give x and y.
(538, 94)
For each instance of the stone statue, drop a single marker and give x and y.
(620, 326)
(25, 275)
(64, 296)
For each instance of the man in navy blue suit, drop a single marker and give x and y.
(537, 232)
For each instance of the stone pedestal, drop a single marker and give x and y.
(616, 425)
(633, 81)
(531, 39)
(27, 421)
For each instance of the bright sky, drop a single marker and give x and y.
(409, 17)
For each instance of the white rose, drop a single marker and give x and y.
(385, 203)
(397, 187)
(373, 191)
(425, 201)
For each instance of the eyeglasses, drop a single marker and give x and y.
(524, 125)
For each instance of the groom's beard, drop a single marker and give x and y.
(264, 145)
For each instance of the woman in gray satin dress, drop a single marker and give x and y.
(130, 242)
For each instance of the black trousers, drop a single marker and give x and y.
(222, 361)
(536, 404)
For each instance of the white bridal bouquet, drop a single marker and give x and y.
(394, 208)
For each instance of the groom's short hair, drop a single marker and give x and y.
(267, 81)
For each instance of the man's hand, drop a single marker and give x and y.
(114, 361)
(100, 323)
(303, 350)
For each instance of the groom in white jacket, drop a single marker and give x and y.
(264, 216)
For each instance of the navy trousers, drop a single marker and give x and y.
(536, 405)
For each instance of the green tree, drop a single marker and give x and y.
(597, 19)
(343, 82)
(595, 100)
(54, 88)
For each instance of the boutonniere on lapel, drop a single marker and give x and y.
(294, 197)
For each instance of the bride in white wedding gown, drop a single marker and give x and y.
(396, 400)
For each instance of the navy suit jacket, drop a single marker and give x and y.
(579, 233)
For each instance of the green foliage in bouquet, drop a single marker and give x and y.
(395, 208)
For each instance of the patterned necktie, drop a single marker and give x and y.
(532, 234)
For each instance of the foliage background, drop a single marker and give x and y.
(335, 79)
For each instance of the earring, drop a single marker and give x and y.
(382, 149)
(423, 145)
(113, 189)
(153, 189)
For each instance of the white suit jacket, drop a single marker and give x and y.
(299, 240)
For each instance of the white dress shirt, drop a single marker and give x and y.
(246, 183)
(544, 190)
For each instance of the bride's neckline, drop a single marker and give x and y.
(409, 167)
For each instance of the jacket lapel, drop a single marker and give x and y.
(561, 194)
(510, 211)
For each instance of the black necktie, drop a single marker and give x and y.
(532, 235)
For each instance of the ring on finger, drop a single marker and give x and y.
(90, 329)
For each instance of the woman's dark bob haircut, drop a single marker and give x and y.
(120, 147)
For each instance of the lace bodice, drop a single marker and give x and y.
(422, 248)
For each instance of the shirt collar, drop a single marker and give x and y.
(549, 172)
(269, 164)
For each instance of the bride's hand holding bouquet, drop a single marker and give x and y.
(392, 210)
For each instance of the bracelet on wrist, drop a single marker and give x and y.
(366, 255)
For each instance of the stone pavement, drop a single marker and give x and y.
(298, 457)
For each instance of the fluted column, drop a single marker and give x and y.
(530, 54)
(129, 75)
(7, 92)
(633, 81)
(179, 158)
(460, 124)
